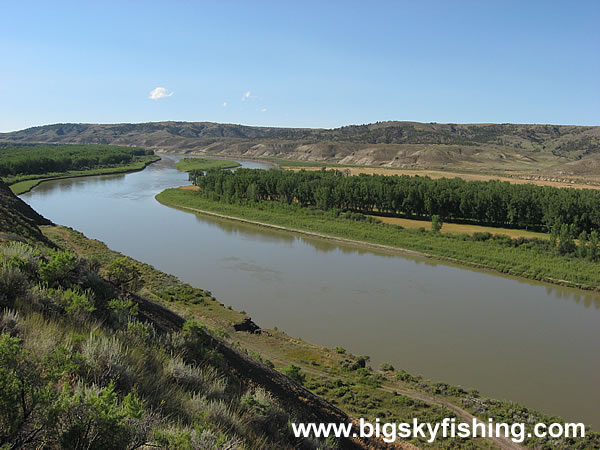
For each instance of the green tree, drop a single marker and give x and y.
(436, 223)
(124, 274)
(251, 192)
(59, 269)
(555, 231)
(566, 244)
(593, 253)
(582, 248)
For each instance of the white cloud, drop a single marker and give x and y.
(248, 96)
(262, 110)
(224, 104)
(159, 93)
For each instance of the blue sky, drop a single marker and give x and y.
(309, 64)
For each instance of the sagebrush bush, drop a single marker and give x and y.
(108, 360)
(21, 255)
(224, 416)
(93, 417)
(263, 413)
(9, 322)
(40, 299)
(13, 283)
(206, 380)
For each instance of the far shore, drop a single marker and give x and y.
(373, 246)
(24, 186)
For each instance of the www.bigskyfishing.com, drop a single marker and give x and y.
(447, 428)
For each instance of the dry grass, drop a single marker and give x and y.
(579, 182)
(460, 228)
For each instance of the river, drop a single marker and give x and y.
(533, 343)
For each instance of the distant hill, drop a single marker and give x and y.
(552, 149)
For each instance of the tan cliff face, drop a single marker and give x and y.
(531, 149)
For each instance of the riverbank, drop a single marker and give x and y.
(21, 186)
(343, 379)
(514, 261)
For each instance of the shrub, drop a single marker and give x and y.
(25, 395)
(78, 304)
(124, 274)
(205, 381)
(224, 416)
(122, 310)
(93, 418)
(196, 342)
(481, 236)
(140, 332)
(59, 269)
(22, 256)
(295, 374)
(106, 357)
(387, 367)
(39, 298)
(263, 413)
(9, 322)
(13, 283)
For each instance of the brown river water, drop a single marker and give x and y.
(534, 343)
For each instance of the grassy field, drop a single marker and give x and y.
(492, 254)
(189, 164)
(331, 373)
(20, 185)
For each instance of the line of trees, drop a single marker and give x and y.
(39, 159)
(492, 203)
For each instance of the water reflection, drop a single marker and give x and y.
(269, 235)
(510, 338)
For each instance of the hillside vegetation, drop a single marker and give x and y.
(548, 149)
(85, 362)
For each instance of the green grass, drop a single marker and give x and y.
(189, 164)
(492, 254)
(24, 183)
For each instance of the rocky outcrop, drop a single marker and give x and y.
(247, 325)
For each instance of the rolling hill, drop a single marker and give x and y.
(508, 148)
